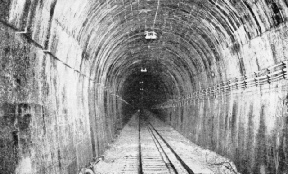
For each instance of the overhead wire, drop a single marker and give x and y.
(156, 14)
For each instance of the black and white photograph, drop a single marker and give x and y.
(143, 87)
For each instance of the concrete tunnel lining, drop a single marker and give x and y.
(94, 48)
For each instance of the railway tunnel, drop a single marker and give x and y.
(74, 72)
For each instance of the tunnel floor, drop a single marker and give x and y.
(148, 145)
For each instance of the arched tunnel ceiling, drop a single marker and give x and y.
(191, 36)
(217, 71)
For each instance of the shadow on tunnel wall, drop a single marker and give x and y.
(16, 129)
(127, 112)
(9, 139)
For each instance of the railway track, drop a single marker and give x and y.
(147, 145)
(155, 153)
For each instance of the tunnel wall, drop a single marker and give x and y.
(74, 40)
(54, 118)
(249, 124)
(44, 111)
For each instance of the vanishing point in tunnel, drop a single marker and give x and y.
(80, 79)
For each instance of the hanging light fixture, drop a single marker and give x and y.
(143, 70)
(150, 35)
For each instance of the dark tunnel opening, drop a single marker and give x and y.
(146, 86)
(145, 91)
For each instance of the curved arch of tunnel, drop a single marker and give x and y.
(200, 44)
